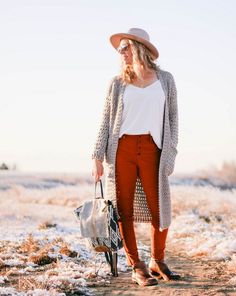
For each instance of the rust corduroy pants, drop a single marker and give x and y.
(138, 155)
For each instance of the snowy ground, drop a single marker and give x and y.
(42, 253)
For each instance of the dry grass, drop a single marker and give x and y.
(66, 251)
(30, 283)
(46, 224)
(39, 253)
(51, 274)
(226, 173)
(29, 245)
(42, 258)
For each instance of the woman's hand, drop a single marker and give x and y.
(97, 171)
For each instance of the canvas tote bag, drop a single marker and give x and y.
(98, 224)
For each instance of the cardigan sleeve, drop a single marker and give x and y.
(173, 112)
(103, 130)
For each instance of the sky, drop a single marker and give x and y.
(56, 61)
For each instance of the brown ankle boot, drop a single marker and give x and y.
(161, 270)
(141, 275)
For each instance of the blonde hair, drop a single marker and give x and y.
(142, 56)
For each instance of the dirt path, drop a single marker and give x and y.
(198, 278)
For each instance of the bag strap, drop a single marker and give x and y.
(100, 187)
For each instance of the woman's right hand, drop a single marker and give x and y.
(98, 170)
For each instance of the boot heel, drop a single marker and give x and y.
(160, 275)
(164, 276)
(134, 281)
(161, 270)
(156, 274)
(141, 275)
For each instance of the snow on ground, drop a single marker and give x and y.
(40, 242)
(204, 222)
(38, 224)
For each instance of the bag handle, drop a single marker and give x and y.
(100, 187)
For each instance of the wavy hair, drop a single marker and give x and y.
(142, 56)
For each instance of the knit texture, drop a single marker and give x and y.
(107, 142)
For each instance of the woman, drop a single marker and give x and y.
(138, 136)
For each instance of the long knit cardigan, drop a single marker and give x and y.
(107, 142)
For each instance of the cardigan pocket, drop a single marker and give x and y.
(170, 162)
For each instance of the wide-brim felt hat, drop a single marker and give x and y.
(135, 34)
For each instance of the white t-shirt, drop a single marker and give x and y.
(143, 111)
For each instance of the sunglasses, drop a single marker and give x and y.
(123, 48)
